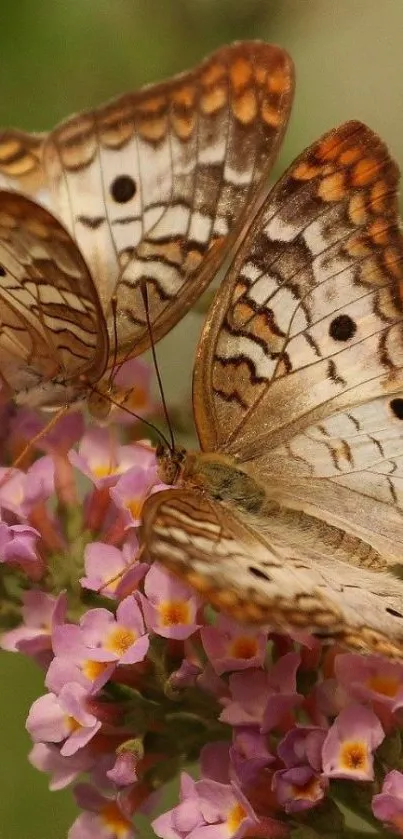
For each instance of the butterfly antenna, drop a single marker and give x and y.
(122, 407)
(144, 294)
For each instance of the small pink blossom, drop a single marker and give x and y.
(387, 806)
(41, 614)
(371, 678)
(132, 488)
(63, 770)
(299, 788)
(207, 810)
(112, 572)
(350, 743)
(101, 459)
(170, 606)
(18, 547)
(302, 745)
(102, 817)
(263, 698)
(63, 719)
(230, 646)
(74, 662)
(121, 639)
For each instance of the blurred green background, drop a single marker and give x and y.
(60, 57)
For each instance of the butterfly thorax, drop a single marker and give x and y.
(218, 475)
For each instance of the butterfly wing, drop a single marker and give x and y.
(309, 319)
(51, 323)
(151, 185)
(256, 582)
(299, 372)
(21, 166)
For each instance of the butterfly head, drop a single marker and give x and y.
(170, 463)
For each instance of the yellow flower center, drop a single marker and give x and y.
(72, 724)
(103, 470)
(173, 612)
(243, 647)
(235, 817)
(135, 506)
(93, 669)
(308, 791)
(120, 639)
(115, 820)
(354, 756)
(386, 685)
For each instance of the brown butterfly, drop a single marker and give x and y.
(149, 190)
(292, 512)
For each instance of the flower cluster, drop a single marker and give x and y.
(142, 678)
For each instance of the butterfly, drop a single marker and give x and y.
(292, 512)
(147, 191)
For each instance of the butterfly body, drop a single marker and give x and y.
(292, 514)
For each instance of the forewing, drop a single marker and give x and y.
(51, 322)
(152, 184)
(309, 320)
(271, 583)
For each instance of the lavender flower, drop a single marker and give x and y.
(142, 678)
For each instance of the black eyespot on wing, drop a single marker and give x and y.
(123, 188)
(342, 328)
(3, 271)
(396, 406)
(261, 575)
(393, 612)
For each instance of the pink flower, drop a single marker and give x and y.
(263, 698)
(101, 459)
(350, 743)
(230, 646)
(207, 810)
(121, 639)
(102, 817)
(301, 746)
(63, 719)
(299, 788)
(63, 770)
(74, 662)
(387, 806)
(134, 486)
(112, 572)
(170, 606)
(41, 613)
(249, 754)
(371, 677)
(18, 547)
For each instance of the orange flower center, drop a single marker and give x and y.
(354, 755)
(243, 647)
(235, 816)
(93, 669)
(386, 685)
(115, 820)
(120, 639)
(174, 612)
(308, 791)
(135, 506)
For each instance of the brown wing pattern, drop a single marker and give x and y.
(152, 184)
(309, 319)
(21, 165)
(51, 320)
(258, 582)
